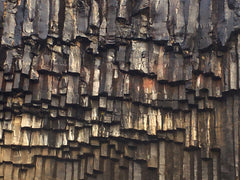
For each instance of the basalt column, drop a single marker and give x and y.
(120, 89)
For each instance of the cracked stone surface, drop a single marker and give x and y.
(119, 89)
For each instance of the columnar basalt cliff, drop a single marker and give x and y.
(119, 89)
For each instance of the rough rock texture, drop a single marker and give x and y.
(120, 89)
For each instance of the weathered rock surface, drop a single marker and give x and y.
(119, 89)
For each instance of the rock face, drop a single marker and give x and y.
(120, 89)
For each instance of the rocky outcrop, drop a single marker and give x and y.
(119, 89)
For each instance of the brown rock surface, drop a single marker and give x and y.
(119, 89)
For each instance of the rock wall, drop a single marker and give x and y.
(119, 89)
